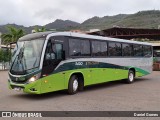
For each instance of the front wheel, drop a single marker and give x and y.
(131, 76)
(73, 85)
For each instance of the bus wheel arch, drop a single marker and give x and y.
(78, 76)
(133, 69)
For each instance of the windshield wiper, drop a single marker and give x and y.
(35, 62)
(20, 55)
(21, 58)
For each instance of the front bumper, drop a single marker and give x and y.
(33, 88)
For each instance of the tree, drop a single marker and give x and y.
(42, 29)
(5, 56)
(12, 36)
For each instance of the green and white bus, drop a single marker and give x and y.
(46, 62)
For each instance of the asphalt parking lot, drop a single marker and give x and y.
(142, 95)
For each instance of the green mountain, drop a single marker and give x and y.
(58, 24)
(101, 23)
(143, 19)
(62, 25)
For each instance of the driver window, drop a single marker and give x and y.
(53, 51)
(57, 48)
(49, 52)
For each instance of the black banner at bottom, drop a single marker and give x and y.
(79, 113)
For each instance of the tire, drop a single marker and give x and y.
(81, 84)
(131, 77)
(73, 85)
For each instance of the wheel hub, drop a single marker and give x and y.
(131, 77)
(75, 85)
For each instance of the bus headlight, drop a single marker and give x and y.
(32, 79)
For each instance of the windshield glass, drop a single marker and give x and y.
(27, 56)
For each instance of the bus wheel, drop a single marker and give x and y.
(131, 76)
(73, 85)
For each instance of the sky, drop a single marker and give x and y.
(41, 12)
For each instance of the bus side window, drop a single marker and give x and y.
(138, 50)
(127, 49)
(78, 47)
(99, 48)
(115, 49)
(147, 51)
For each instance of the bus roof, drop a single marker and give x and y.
(34, 36)
(49, 34)
(80, 35)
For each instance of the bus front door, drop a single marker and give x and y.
(53, 56)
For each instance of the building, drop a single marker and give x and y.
(129, 33)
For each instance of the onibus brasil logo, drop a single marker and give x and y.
(21, 114)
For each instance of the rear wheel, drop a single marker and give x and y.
(73, 85)
(131, 76)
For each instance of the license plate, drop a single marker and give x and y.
(17, 89)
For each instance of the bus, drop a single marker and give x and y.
(46, 61)
(156, 52)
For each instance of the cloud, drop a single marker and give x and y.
(40, 12)
(13, 12)
(48, 13)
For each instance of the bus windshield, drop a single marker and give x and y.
(27, 56)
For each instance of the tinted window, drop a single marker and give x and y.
(127, 49)
(138, 50)
(79, 47)
(53, 51)
(147, 51)
(57, 48)
(114, 49)
(99, 48)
